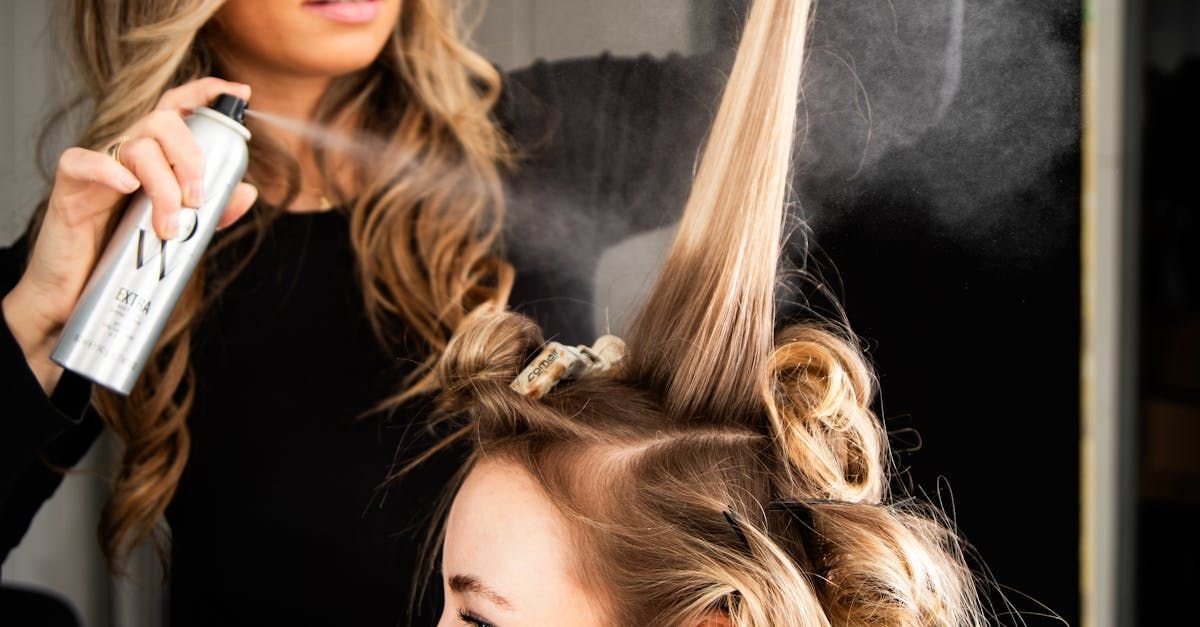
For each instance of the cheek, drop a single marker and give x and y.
(260, 24)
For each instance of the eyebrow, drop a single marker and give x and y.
(470, 583)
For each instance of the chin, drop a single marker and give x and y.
(298, 37)
(335, 58)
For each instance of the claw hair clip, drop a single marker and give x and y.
(557, 362)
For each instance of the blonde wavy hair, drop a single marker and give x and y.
(424, 215)
(723, 466)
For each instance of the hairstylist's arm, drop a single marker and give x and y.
(161, 156)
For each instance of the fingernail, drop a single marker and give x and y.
(187, 220)
(195, 193)
(172, 226)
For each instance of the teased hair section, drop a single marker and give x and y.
(719, 278)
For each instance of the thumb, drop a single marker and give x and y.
(240, 201)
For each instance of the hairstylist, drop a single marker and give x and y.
(296, 361)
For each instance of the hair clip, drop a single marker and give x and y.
(731, 518)
(557, 362)
(802, 511)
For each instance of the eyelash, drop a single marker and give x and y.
(470, 619)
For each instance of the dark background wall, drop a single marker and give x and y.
(1167, 59)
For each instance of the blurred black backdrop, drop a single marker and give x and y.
(1167, 56)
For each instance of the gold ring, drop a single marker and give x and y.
(114, 150)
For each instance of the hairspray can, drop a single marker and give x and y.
(139, 278)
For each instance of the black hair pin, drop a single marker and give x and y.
(731, 518)
(799, 509)
(802, 511)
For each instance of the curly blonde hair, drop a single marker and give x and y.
(723, 466)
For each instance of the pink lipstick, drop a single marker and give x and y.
(345, 11)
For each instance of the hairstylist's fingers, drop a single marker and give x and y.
(146, 158)
(199, 93)
(89, 182)
(240, 201)
(181, 150)
(81, 169)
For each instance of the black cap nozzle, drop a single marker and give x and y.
(231, 106)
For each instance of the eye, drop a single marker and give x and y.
(470, 619)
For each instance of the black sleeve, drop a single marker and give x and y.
(38, 434)
(607, 148)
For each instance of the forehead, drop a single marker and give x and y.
(504, 531)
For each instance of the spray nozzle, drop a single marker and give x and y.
(231, 106)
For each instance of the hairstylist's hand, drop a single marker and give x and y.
(160, 155)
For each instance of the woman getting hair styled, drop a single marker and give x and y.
(271, 411)
(719, 472)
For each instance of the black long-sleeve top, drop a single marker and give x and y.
(278, 518)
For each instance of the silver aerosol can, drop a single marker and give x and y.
(139, 278)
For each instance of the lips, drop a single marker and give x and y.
(345, 11)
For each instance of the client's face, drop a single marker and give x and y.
(507, 559)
